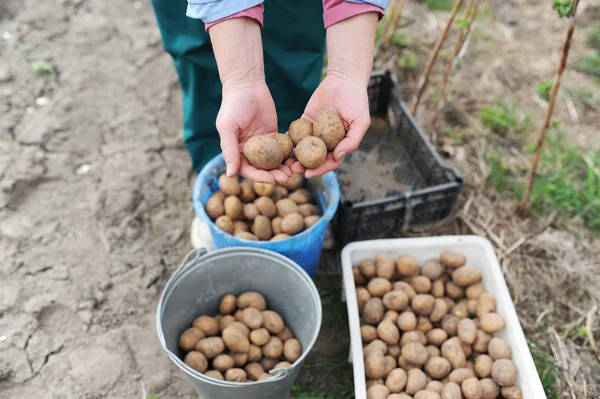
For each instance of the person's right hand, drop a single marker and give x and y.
(248, 110)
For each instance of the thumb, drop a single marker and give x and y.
(231, 150)
(355, 134)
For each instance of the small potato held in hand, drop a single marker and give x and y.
(299, 129)
(264, 152)
(329, 127)
(286, 145)
(311, 152)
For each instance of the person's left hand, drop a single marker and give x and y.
(349, 98)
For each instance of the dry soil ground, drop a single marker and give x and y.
(95, 200)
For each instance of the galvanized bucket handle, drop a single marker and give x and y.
(190, 259)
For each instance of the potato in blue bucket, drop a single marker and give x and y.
(296, 227)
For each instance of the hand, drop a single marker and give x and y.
(248, 110)
(350, 100)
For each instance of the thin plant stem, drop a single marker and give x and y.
(393, 22)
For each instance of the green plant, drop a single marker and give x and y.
(543, 90)
(502, 118)
(152, 395)
(442, 5)
(300, 392)
(593, 37)
(399, 40)
(27, 47)
(589, 64)
(42, 67)
(546, 370)
(408, 61)
(584, 99)
(563, 7)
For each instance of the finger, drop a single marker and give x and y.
(355, 134)
(297, 168)
(231, 151)
(257, 175)
(289, 162)
(286, 170)
(327, 166)
(279, 176)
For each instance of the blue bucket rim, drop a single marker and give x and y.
(208, 171)
(181, 273)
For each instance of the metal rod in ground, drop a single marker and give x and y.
(433, 57)
(470, 18)
(552, 103)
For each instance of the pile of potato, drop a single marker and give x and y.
(309, 141)
(427, 331)
(242, 343)
(262, 212)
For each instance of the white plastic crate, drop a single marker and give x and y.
(479, 253)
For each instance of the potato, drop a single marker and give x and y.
(368, 333)
(454, 291)
(292, 224)
(246, 193)
(268, 363)
(482, 340)
(391, 315)
(244, 235)
(250, 211)
(437, 288)
(273, 348)
(438, 368)
(396, 380)
(422, 304)
(370, 383)
(329, 127)
(373, 311)
(264, 376)
(215, 207)
(433, 351)
(511, 393)
(226, 321)
(260, 337)
(440, 309)
(286, 145)
(460, 311)
(451, 391)
(208, 325)
(301, 196)
(210, 347)
(399, 396)
(254, 371)
(285, 334)
(437, 336)
(311, 152)
(499, 349)
(227, 304)
(238, 314)
(292, 350)
(406, 365)
(266, 207)
(472, 307)
(417, 380)
(282, 365)
(263, 189)
(375, 365)
(413, 336)
(404, 286)
(254, 355)
(362, 297)
(435, 386)
(197, 361)
(286, 206)
(425, 394)
(252, 299)
(467, 349)
(222, 363)
(240, 359)
(310, 221)
(459, 375)
(407, 265)
(378, 392)
(432, 269)
(263, 152)
(225, 224)
(415, 353)
(279, 237)
(487, 304)
(241, 327)
(474, 291)
(489, 389)
(229, 185)
(393, 300)
(467, 331)
(394, 350)
(236, 340)
(307, 210)
(452, 350)
(233, 207)
(452, 259)
(239, 226)
(279, 193)
(235, 374)
(215, 374)
(471, 389)
(262, 228)
(450, 303)
(375, 346)
(421, 284)
(367, 268)
(294, 182)
(450, 324)
(384, 266)
(504, 372)
(389, 363)
(190, 337)
(300, 129)
(492, 323)
(272, 321)
(276, 225)
(388, 332)
(483, 366)
(466, 275)
(424, 325)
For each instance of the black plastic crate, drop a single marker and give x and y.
(395, 179)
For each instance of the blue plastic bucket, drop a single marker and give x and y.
(304, 248)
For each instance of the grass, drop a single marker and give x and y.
(543, 90)
(442, 5)
(568, 181)
(584, 99)
(546, 370)
(152, 395)
(408, 62)
(503, 118)
(590, 64)
(593, 37)
(42, 68)
(300, 392)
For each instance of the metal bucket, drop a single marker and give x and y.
(197, 287)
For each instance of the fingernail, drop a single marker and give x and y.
(341, 156)
(229, 170)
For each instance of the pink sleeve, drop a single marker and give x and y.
(339, 10)
(255, 13)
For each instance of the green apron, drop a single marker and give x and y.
(294, 46)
